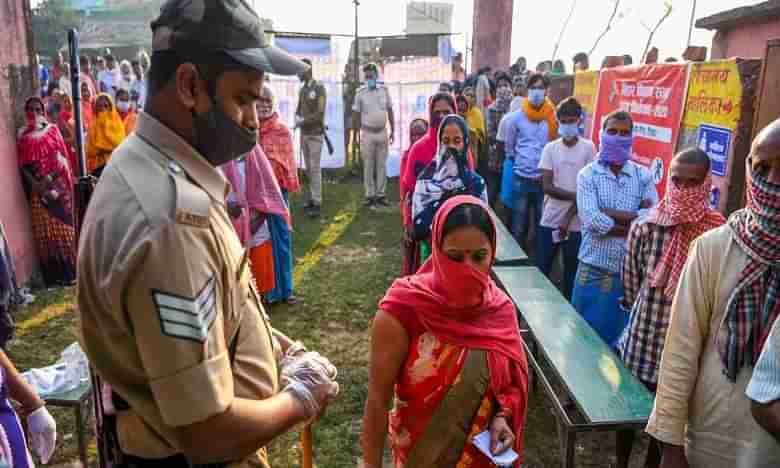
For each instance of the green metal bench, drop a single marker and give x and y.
(508, 251)
(606, 394)
(80, 400)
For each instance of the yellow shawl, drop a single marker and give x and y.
(476, 122)
(106, 133)
(546, 112)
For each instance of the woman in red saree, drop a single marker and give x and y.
(48, 177)
(446, 344)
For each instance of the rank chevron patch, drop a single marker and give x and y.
(187, 318)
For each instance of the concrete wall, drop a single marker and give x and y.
(16, 82)
(492, 43)
(747, 41)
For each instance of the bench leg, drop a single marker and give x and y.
(568, 442)
(80, 435)
(624, 445)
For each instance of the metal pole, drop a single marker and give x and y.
(693, 19)
(356, 85)
(73, 50)
(357, 44)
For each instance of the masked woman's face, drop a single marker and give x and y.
(452, 137)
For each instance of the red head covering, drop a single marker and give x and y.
(422, 153)
(462, 306)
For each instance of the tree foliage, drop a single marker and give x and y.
(51, 21)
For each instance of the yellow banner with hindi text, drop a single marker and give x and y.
(714, 95)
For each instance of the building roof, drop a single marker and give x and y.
(760, 13)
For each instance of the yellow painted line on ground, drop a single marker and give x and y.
(328, 237)
(42, 318)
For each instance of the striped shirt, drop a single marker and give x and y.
(598, 188)
(764, 386)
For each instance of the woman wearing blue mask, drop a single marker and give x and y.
(527, 134)
(559, 227)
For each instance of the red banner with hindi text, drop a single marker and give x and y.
(654, 95)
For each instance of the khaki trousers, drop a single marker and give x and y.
(373, 150)
(312, 152)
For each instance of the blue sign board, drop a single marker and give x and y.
(716, 142)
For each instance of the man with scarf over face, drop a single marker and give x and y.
(169, 315)
(495, 113)
(657, 251)
(725, 307)
(612, 192)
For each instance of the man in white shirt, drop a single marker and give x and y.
(561, 161)
(138, 88)
(108, 79)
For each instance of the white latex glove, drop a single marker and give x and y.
(43, 433)
(311, 379)
(298, 120)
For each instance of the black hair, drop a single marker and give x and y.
(580, 57)
(84, 59)
(110, 57)
(210, 67)
(559, 66)
(122, 91)
(694, 156)
(443, 97)
(569, 107)
(628, 59)
(135, 62)
(620, 116)
(503, 76)
(469, 214)
(370, 67)
(538, 77)
(447, 84)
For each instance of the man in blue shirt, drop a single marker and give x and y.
(612, 192)
(528, 132)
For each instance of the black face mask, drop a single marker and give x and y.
(220, 138)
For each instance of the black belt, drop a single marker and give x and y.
(529, 180)
(176, 461)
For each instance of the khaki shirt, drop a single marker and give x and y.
(373, 105)
(165, 294)
(696, 405)
(312, 100)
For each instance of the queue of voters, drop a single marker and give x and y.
(183, 261)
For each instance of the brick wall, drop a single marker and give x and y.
(747, 41)
(16, 83)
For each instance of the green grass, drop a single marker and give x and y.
(345, 262)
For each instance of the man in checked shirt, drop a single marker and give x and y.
(657, 251)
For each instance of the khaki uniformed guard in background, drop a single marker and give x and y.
(310, 117)
(169, 315)
(373, 110)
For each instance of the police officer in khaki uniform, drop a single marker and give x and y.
(169, 315)
(373, 110)
(310, 117)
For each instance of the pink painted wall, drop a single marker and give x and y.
(492, 43)
(14, 80)
(747, 41)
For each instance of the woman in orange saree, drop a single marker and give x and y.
(446, 344)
